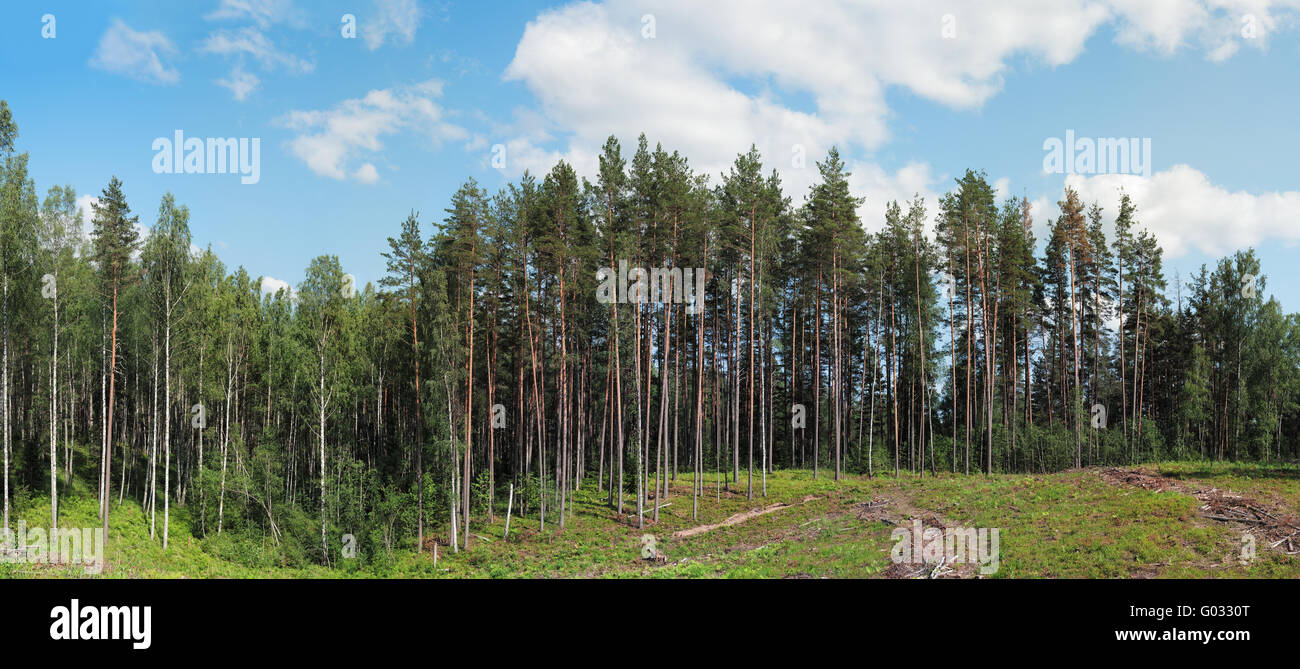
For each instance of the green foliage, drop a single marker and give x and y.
(271, 425)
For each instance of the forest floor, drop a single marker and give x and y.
(1179, 519)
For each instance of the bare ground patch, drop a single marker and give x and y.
(899, 510)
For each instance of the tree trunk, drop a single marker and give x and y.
(54, 412)
(167, 418)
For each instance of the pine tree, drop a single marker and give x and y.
(115, 238)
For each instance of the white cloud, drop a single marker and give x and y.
(249, 41)
(880, 188)
(1186, 212)
(395, 19)
(262, 12)
(328, 140)
(1219, 27)
(594, 72)
(272, 285)
(366, 174)
(252, 42)
(86, 204)
(1042, 210)
(240, 83)
(1002, 187)
(721, 75)
(139, 55)
(1160, 25)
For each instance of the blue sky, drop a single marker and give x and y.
(354, 133)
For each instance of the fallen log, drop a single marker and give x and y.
(736, 518)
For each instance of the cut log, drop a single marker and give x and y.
(509, 505)
(737, 518)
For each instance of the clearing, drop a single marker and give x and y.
(1180, 519)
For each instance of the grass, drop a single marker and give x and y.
(1071, 524)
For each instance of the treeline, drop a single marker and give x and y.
(540, 339)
